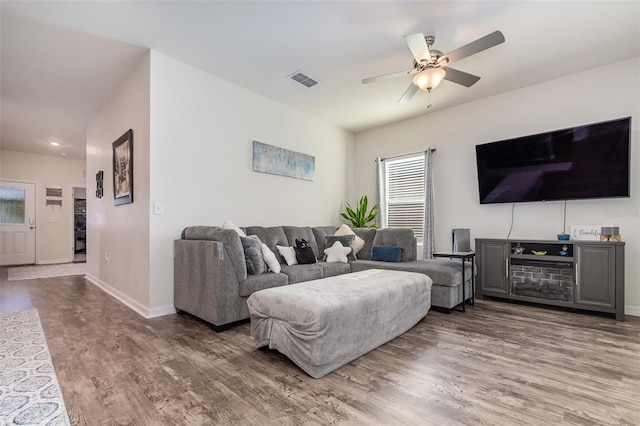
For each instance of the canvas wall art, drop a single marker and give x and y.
(279, 161)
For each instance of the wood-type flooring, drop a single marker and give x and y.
(497, 364)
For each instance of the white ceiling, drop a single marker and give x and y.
(60, 61)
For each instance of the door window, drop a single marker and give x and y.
(12, 203)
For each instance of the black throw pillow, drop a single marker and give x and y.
(304, 252)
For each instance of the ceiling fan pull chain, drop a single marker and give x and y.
(429, 100)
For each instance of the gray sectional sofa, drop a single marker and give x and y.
(211, 280)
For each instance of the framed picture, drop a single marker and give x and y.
(123, 169)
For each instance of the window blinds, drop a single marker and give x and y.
(406, 193)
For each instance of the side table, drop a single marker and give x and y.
(464, 256)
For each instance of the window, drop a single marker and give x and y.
(11, 205)
(405, 192)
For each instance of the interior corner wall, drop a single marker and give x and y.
(54, 224)
(118, 236)
(454, 132)
(202, 133)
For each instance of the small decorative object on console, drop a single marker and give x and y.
(564, 251)
(539, 253)
(518, 249)
(610, 233)
(563, 236)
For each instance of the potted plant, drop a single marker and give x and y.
(359, 217)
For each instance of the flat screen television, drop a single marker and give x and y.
(590, 161)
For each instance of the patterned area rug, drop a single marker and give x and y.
(45, 271)
(29, 390)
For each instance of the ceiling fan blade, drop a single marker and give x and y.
(409, 93)
(386, 76)
(460, 77)
(483, 43)
(418, 46)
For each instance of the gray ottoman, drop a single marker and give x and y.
(324, 324)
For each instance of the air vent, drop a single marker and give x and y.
(303, 79)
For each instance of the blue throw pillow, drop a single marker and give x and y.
(387, 253)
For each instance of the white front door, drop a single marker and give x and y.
(17, 223)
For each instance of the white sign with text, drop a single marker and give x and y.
(586, 232)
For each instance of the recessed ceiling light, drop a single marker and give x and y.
(54, 143)
(64, 154)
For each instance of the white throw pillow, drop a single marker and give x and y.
(358, 242)
(337, 253)
(270, 259)
(289, 254)
(230, 225)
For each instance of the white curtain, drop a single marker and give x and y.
(381, 193)
(428, 242)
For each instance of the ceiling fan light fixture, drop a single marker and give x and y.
(429, 78)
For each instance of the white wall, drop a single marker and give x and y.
(202, 130)
(612, 91)
(54, 224)
(122, 231)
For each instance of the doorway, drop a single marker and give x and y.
(79, 225)
(17, 223)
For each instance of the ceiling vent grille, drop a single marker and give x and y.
(305, 80)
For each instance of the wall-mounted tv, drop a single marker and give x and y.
(590, 161)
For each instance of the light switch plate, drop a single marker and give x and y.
(158, 207)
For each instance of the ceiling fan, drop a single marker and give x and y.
(430, 66)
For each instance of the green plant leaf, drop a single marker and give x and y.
(359, 217)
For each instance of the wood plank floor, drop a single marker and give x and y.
(498, 364)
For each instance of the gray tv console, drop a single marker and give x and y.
(585, 275)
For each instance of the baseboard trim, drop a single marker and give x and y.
(136, 306)
(161, 311)
(634, 311)
(53, 261)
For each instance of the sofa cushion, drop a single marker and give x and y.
(387, 253)
(333, 269)
(345, 240)
(442, 272)
(400, 237)
(367, 234)
(320, 232)
(272, 237)
(301, 273)
(270, 259)
(230, 239)
(253, 255)
(288, 254)
(254, 283)
(294, 233)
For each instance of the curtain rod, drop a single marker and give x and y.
(406, 155)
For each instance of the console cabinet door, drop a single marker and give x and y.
(595, 275)
(493, 268)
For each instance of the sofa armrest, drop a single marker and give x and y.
(205, 282)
